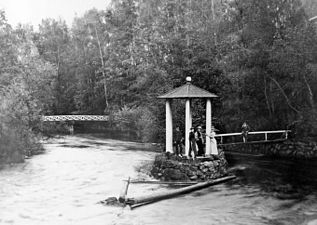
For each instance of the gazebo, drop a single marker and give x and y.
(187, 92)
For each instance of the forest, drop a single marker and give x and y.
(259, 57)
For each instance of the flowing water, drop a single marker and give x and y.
(64, 186)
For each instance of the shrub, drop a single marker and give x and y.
(138, 120)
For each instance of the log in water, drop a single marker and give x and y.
(180, 183)
(173, 193)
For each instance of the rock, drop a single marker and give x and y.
(113, 201)
(199, 173)
(205, 170)
(193, 177)
(208, 164)
(168, 164)
(212, 169)
(190, 173)
(300, 154)
(289, 152)
(174, 174)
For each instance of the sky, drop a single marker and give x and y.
(33, 11)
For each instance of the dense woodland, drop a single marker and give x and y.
(259, 57)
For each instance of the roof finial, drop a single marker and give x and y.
(189, 79)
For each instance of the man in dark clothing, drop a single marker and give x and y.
(192, 143)
(178, 142)
(245, 130)
(199, 141)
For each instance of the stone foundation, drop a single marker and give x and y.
(286, 149)
(173, 168)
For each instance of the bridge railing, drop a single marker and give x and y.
(284, 135)
(75, 118)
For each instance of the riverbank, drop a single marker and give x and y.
(287, 149)
(14, 149)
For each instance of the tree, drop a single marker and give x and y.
(53, 44)
(26, 90)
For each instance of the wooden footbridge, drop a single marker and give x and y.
(253, 137)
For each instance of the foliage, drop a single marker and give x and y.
(259, 57)
(26, 82)
(140, 121)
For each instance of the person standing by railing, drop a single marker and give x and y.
(192, 143)
(178, 142)
(245, 130)
(213, 141)
(199, 141)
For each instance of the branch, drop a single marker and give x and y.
(284, 94)
(311, 95)
(267, 98)
(103, 65)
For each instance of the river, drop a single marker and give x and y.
(65, 184)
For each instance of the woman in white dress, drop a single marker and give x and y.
(213, 142)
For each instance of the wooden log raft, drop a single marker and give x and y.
(173, 193)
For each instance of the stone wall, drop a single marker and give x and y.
(286, 149)
(174, 168)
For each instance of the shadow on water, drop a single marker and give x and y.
(279, 178)
(114, 141)
(120, 141)
(75, 146)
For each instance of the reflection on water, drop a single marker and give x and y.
(64, 185)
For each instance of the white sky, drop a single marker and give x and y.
(33, 11)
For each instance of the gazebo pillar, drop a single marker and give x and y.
(208, 125)
(188, 124)
(169, 127)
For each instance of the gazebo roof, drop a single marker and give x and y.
(188, 90)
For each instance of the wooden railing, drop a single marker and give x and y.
(285, 136)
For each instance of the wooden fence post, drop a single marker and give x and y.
(124, 191)
(265, 136)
